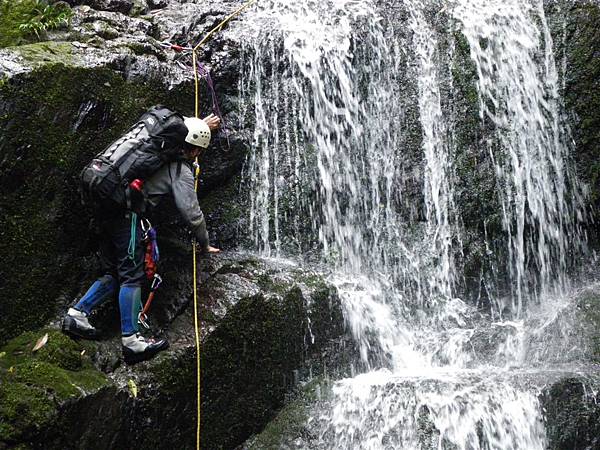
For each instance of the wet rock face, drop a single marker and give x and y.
(64, 100)
(55, 119)
(588, 321)
(276, 321)
(577, 44)
(155, 4)
(572, 415)
(262, 326)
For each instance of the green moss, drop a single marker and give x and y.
(32, 384)
(267, 283)
(311, 279)
(58, 381)
(138, 8)
(145, 49)
(23, 409)
(59, 350)
(104, 30)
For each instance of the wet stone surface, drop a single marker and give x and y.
(255, 350)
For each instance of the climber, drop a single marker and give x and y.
(121, 245)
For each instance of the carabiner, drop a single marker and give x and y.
(143, 320)
(156, 281)
(146, 225)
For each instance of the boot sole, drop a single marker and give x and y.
(134, 358)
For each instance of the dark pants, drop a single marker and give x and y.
(115, 258)
(122, 262)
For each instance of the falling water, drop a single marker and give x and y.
(519, 92)
(437, 189)
(335, 90)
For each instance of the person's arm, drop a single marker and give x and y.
(186, 200)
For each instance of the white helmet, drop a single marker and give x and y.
(198, 132)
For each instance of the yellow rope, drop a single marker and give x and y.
(197, 348)
(196, 176)
(197, 334)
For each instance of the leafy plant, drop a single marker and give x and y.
(22, 19)
(46, 17)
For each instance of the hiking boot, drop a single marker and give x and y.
(76, 323)
(137, 349)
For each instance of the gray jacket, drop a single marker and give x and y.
(177, 179)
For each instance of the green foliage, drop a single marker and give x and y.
(21, 20)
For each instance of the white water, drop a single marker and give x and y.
(331, 86)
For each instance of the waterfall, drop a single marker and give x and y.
(354, 168)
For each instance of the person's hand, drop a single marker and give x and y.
(212, 250)
(213, 121)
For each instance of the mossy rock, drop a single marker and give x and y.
(247, 367)
(42, 53)
(574, 26)
(24, 411)
(290, 423)
(225, 213)
(59, 350)
(33, 385)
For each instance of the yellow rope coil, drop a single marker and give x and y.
(216, 29)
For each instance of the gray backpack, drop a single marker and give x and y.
(113, 178)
